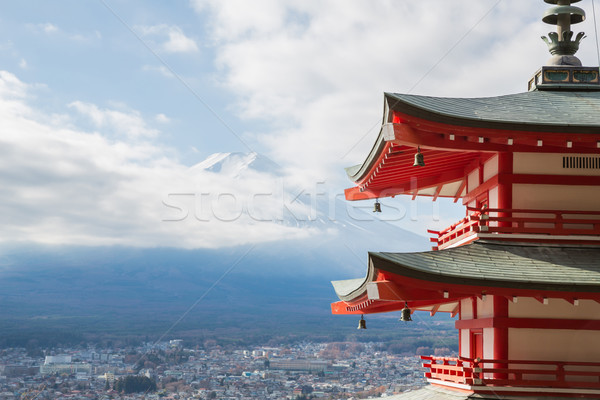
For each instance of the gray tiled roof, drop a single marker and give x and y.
(357, 171)
(564, 111)
(430, 393)
(536, 111)
(498, 264)
(492, 264)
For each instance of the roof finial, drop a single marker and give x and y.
(560, 44)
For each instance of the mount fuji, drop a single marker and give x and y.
(234, 164)
(283, 281)
(318, 209)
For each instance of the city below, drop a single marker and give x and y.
(170, 370)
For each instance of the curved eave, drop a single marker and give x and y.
(536, 111)
(508, 275)
(351, 289)
(453, 132)
(442, 277)
(357, 172)
(393, 174)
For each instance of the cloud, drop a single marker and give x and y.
(52, 29)
(48, 28)
(172, 37)
(10, 88)
(130, 123)
(61, 184)
(245, 18)
(162, 118)
(316, 72)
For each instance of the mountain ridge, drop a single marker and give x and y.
(235, 163)
(283, 282)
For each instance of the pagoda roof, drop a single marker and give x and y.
(453, 133)
(486, 265)
(355, 172)
(437, 393)
(430, 393)
(442, 168)
(545, 111)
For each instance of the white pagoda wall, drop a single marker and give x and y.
(478, 176)
(553, 345)
(549, 164)
(537, 344)
(473, 180)
(553, 197)
(556, 197)
(526, 307)
(488, 343)
(465, 343)
(466, 313)
(485, 307)
(466, 309)
(540, 196)
(484, 310)
(490, 168)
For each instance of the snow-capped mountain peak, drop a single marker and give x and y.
(235, 164)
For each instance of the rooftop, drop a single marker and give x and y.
(546, 111)
(504, 268)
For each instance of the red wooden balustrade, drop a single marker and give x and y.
(456, 232)
(497, 222)
(513, 373)
(448, 369)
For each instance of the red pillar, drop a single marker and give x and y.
(505, 172)
(500, 336)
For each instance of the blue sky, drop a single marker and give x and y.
(104, 105)
(81, 51)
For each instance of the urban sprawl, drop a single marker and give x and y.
(303, 371)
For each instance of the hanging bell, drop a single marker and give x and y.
(377, 207)
(362, 324)
(405, 316)
(419, 160)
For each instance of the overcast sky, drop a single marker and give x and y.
(104, 105)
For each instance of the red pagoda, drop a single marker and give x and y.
(522, 270)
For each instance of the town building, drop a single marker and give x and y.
(521, 272)
(299, 365)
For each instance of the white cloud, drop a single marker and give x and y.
(63, 185)
(52, 29)
(11, 87)
(23, 63)
(173, 40)
(316, 71)
(244, 18)
(49, 28)
(179, 43)
(162, 118)
(130, 124)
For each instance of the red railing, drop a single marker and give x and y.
(513, 373)
(457, 232)
(498, 223)
(448, 369)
